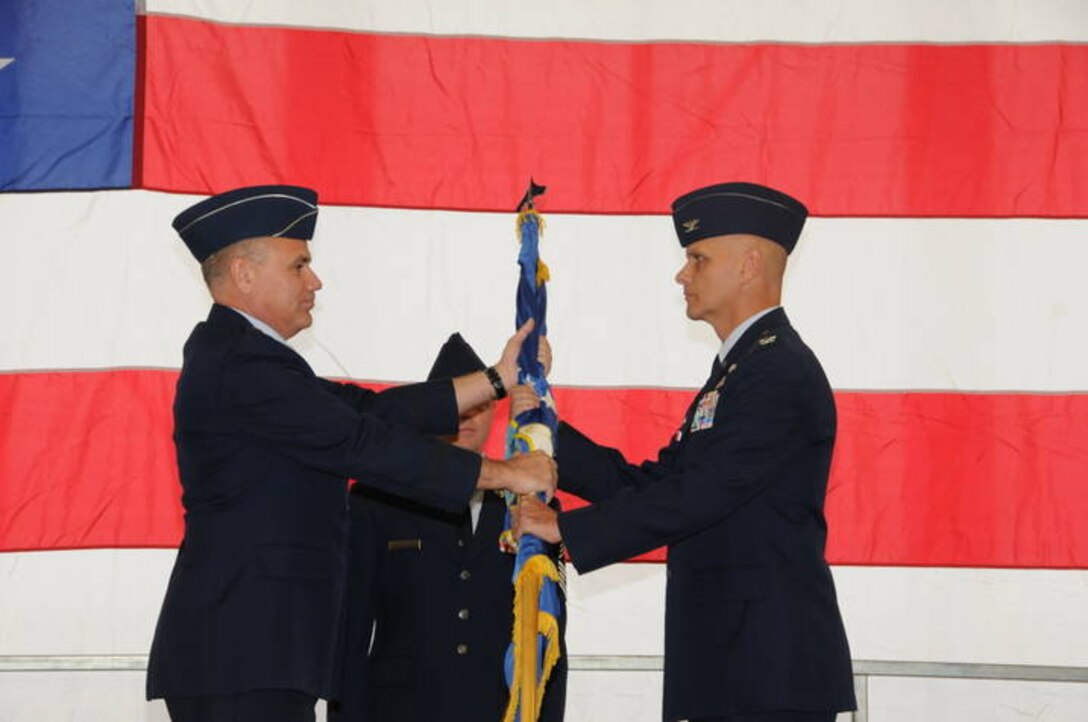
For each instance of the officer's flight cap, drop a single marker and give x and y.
(456, 358)
(727, 208)
(215, 223)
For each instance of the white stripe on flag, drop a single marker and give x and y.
(807, 21)
(906, 304)
(921, 614)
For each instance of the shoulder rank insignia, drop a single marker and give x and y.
(767, 340)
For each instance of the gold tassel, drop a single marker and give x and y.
(524, 215)
(542, 273)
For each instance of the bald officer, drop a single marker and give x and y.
(752, 626)
(250, 624)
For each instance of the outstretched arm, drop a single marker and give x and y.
(477, 388)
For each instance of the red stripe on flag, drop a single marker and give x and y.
(87, 460)
(945, 479)
(918, 478)
(855, 130)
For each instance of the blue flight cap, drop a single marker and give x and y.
(215, 223)
(455, 358)
(727, 208)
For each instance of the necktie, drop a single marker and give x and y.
(715, 367)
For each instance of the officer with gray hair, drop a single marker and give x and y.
(250, 628)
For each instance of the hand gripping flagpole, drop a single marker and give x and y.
(538, 605)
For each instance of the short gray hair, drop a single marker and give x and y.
(216, 265)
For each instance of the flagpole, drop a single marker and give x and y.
(535, 643)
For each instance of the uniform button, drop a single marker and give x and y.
(462, 649)
(465, 575)
(460, 542)
(463, 614)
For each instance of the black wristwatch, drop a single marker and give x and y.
(496, 382)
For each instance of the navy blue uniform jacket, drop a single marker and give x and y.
(264, 451)
(442, 600)
(751, 619)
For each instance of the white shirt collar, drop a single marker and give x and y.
(475, 505)
(260, 325)
(734, 335)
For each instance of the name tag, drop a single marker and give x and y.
(704, 412)
(401, 545)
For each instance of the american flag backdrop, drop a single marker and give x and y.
(941, 147)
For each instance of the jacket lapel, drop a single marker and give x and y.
(766, 324)
(492, 518)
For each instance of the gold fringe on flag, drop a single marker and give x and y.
(527, 694)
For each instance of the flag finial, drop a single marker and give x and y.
(533, 191)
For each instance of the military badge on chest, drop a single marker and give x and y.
(705, 408)
(703, 418)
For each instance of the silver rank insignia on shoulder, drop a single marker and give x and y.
(767, 340)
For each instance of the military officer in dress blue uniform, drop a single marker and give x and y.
(431, 599)
(251, 621)
(752, 626)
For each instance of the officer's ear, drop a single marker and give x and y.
(245, 259)
(242, 272)
(763, 259)
(751, 262)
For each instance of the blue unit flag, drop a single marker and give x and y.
(538, 599)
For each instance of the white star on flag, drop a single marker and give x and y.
(4, 62)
